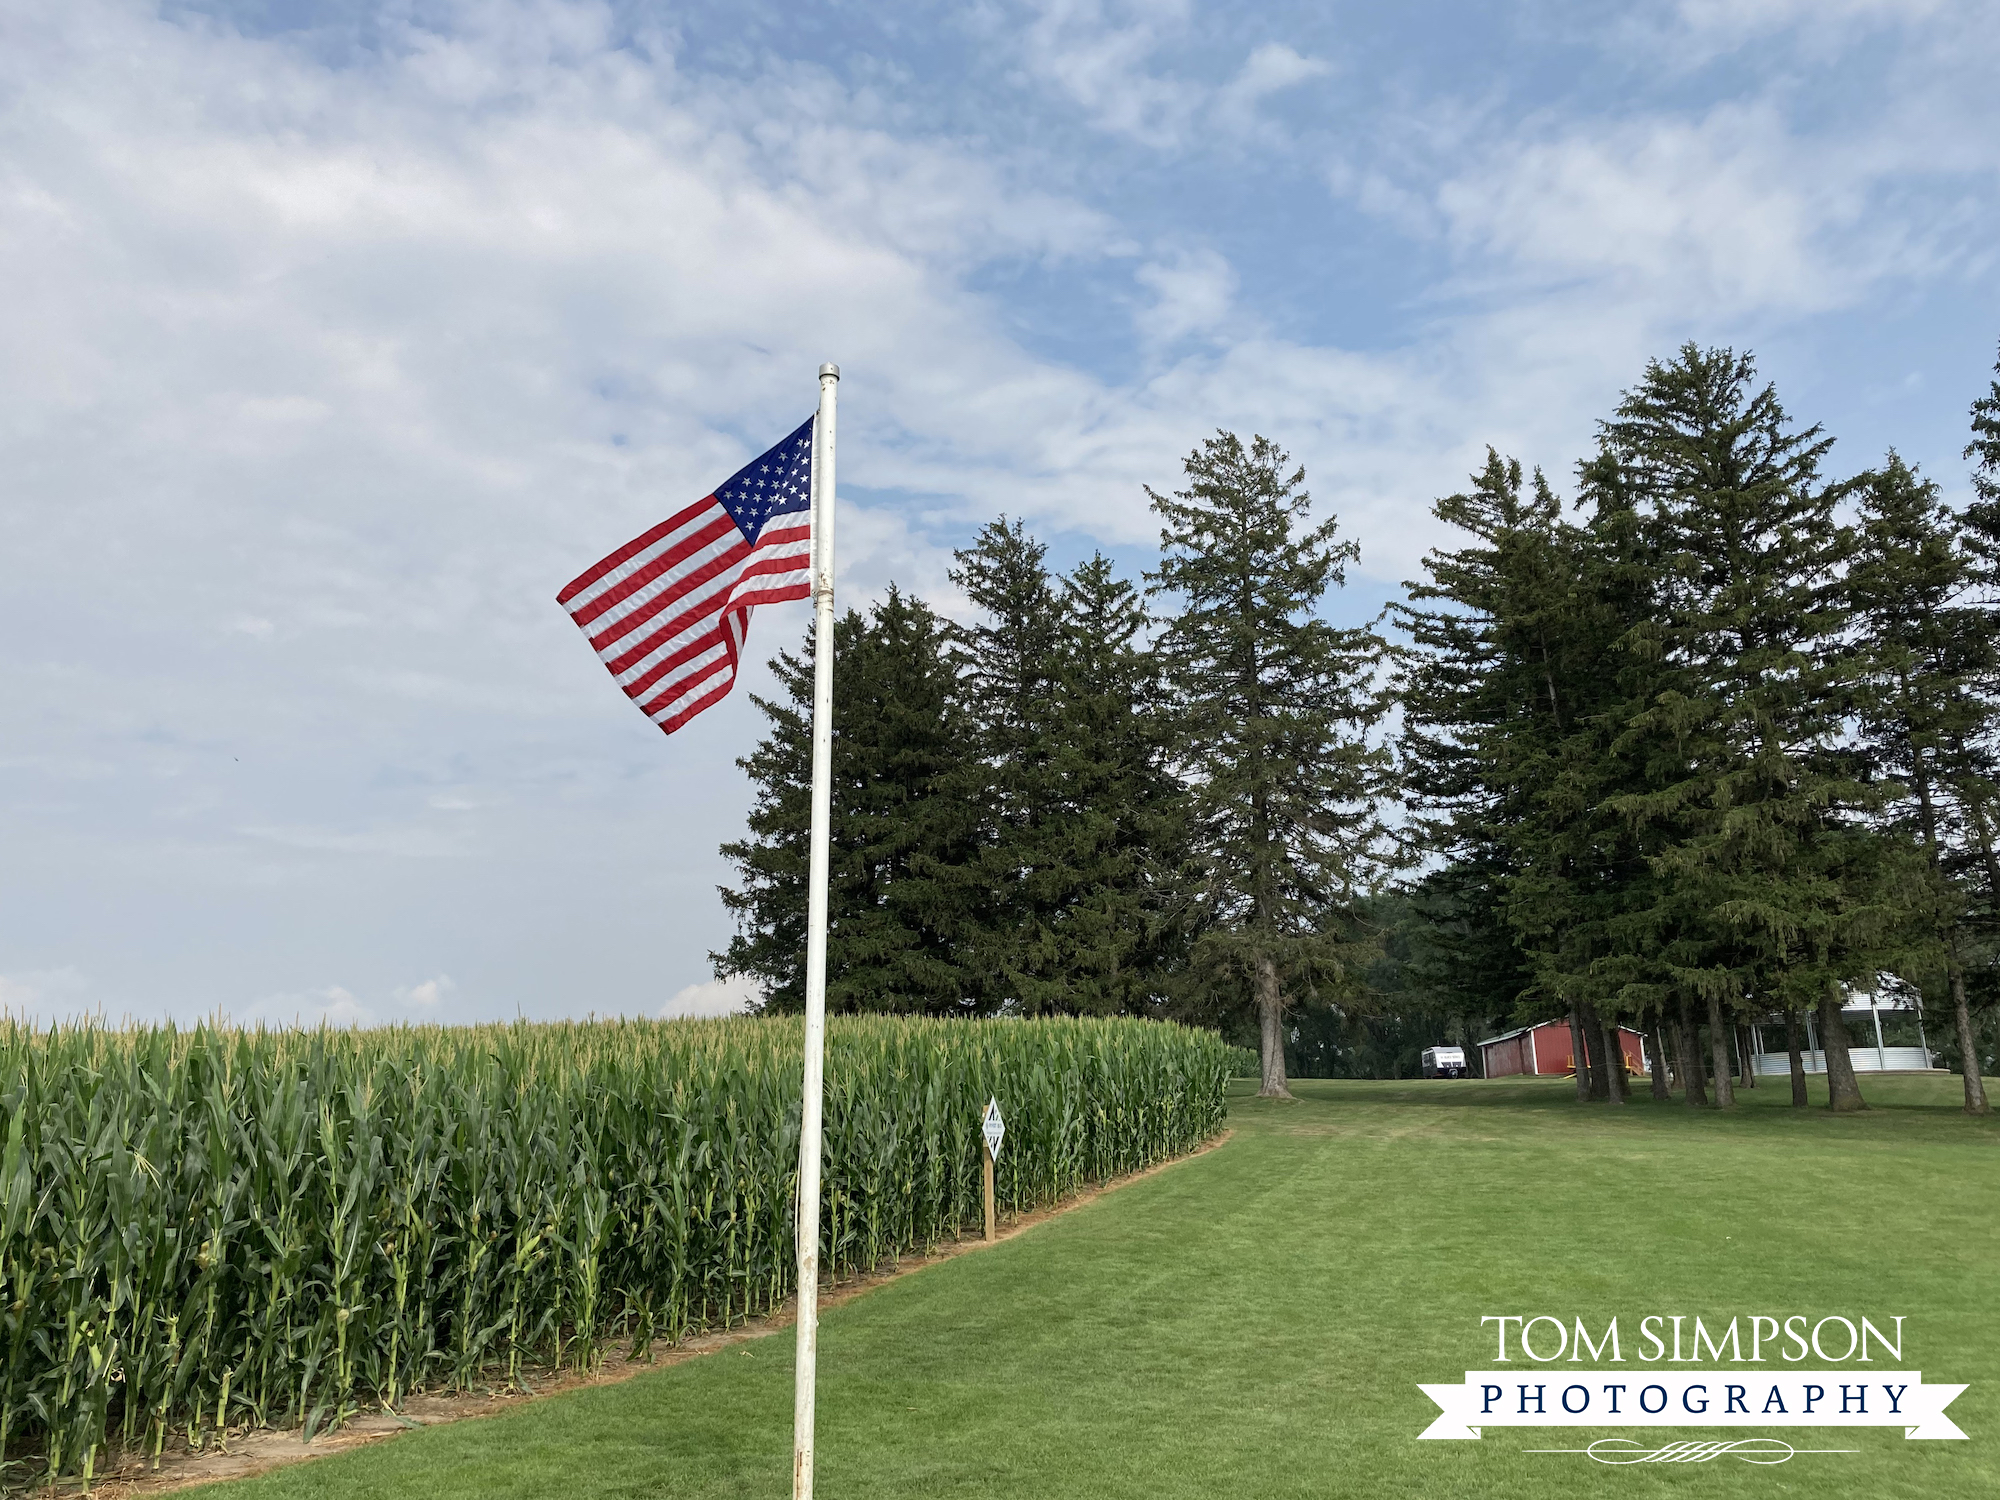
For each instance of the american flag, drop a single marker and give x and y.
(668, 611)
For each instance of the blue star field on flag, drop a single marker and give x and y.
(778, 482)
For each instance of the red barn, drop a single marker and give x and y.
(1547, 1049)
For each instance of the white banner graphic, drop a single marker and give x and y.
(1693, 1398)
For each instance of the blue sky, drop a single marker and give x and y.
(338, 337)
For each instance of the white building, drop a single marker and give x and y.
(1889, 995)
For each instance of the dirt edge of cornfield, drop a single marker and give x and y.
(248, 1452)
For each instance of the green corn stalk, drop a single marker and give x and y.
(204, 1227)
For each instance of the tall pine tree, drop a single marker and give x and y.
(1007, 665)
(1984, 451)
(1506, 740)
(1927, 711)
(901, 839)
(1981, 539)
(1772, 891)
(1121, 848)
(1276, 708)
(1082, 823)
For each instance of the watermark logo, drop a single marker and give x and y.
(1694, 1398)
(1845, 1391)
(1746, 1450)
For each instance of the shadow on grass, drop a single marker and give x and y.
(1909, 1097)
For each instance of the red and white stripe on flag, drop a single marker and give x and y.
(667, 613)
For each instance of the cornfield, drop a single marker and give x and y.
(212, 1228)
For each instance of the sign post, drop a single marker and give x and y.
(992, 1129)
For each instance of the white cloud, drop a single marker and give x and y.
(1193, 291)
(334, 1005)
(408, 313)
(337, 1005)
(1719, 213)
(1105, 58)
(322, 377)
(44, 994)
(445, 325)
(716, 997)
(1270, 69)
(427, 996)
(1100, 56)
(1712, 26)
(395, 843)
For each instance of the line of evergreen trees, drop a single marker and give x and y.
(1711, 741)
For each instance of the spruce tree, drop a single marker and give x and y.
(1082, 829)
(1275, 713)
(1984, 451)
(1007, 668)
(1771, 893)
(1505, 737)
(1488, 666)
(1118, 877)
(1612, 941)
(901, 837)
(1932, 662)
(1981, 539)
(769, 904)
(1463, 960)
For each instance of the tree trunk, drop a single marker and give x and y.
(1271, 1030)
(1692, 1091)
(1611, 1048)
(1745, 1060)
(1579, 1055)
(1600, 1060)
(1718, 1044)
(1968, 1052)
(1975, 1087)
(1843, 1093)
(1661, 1092)
(1797, 1058)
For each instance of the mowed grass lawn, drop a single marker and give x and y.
(1255, 1322)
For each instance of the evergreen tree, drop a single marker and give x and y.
(1612, 753)
(1981, 539)
(901, 836)
(1487, 665)
(1427, 988)
(1116, 882)
(1275, 710)
(1772, 890)
(1461, 958)
(1927, 711)
(1984, 451)
(1082, 825)
(1504, 736)
(1008, 666)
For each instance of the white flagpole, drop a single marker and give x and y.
(822, 804)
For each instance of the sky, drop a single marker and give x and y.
(335, 338)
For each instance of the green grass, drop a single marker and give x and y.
(1255, 1322)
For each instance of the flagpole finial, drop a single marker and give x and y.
(826, 370)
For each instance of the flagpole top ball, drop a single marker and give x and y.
(826, 370)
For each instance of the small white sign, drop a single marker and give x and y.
(993, 1128)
